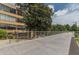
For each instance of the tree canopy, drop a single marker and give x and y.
(66, 27)
(37, 16)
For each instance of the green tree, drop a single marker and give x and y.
(74, 27)
(37, 16)
(67, 27)
(77, 28)
(59, 27)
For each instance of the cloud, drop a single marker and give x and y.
(61, 12)
(67, 19)
(51, 6)
(73, 6)
(69, 15)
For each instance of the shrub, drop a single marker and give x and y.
(3, 34)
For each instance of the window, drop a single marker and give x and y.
(7, 18)
(5, 8)
(13, 11)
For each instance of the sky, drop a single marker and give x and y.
(65, 13)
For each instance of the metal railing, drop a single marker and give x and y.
(29, 35)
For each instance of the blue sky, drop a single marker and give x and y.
(58, 6)
(65, 13)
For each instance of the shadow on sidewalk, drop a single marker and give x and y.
(74, 49)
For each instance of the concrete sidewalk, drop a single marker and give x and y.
(51, 45)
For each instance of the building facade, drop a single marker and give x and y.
(9, 20)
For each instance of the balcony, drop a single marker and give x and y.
(9, 5)
(13, 31)
(12, 23)
(10, 14)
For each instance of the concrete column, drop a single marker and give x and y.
(16, 33)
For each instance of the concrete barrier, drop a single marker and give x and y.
(74, 48)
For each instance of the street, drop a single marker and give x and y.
(58, 44)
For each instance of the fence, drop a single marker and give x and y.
(31, 34)
(28, 35)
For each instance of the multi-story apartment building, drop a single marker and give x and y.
(9, 20)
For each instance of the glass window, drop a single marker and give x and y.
(7, 18)
(5, 8)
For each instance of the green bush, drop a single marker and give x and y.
(3, 34)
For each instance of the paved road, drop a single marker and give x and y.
(52, 45)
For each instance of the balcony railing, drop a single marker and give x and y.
(13, 23)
